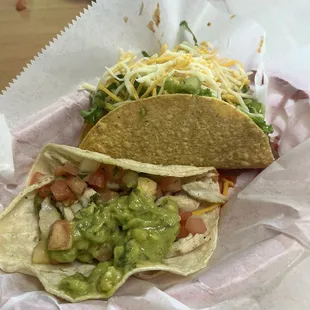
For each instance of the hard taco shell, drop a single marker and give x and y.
(181, 129)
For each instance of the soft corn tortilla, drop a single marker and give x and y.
(19, 229)
(181, 129)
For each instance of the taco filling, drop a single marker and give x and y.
(118, 220)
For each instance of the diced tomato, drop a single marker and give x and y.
(37, 177)
(66, 170)
(45, 191)
(108, 172)
(61, 190)
(184, 216)
(159, 192)
(107, 194)
(76, 185)
(170, 184)
(195, 225)
(60, 171)
(113, 174)
(97, 179)
(183, 232)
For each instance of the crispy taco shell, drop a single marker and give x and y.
(181, 129)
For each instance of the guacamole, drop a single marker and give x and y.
(121, 234)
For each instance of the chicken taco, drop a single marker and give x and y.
(86, 222)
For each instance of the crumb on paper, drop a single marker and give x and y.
(150, 25)
(159, 41)
(209, 24)
(125, 19)
(232, 16)
(156, 15)
(141, 8)
(21, 5)
(261, 43)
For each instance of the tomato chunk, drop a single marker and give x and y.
(97, 179)
(67, 169)
(170, 184)
(76, 185)
(61, 190)
(45, 191)
(113, 174)
(184, 216)
(108, 172)
(107, 194)
(183, 232)
(36, 178)
(195, 225)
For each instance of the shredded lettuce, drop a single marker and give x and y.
(191, 85)
(206, 92)
(145, 54)
(256, 111)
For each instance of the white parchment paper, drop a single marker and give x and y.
(262, 259)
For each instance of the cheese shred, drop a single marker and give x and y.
(225, 77)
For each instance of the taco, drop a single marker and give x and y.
(86, 222)
(220, 123)
(181, 129)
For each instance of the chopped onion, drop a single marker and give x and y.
(88, 166)
(68, 214)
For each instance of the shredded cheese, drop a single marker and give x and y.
(205, 210)
(225, 77)
(101, 87)
(226, 185)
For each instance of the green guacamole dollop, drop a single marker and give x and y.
(120, 234)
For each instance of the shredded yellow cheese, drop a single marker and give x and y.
(163, 49)
(159, 60)
(205, 210)
(134, 93)
(149, 90)
(229, 63)
(224, 77)
(226, 185)
(101, 87)
(139, 88)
